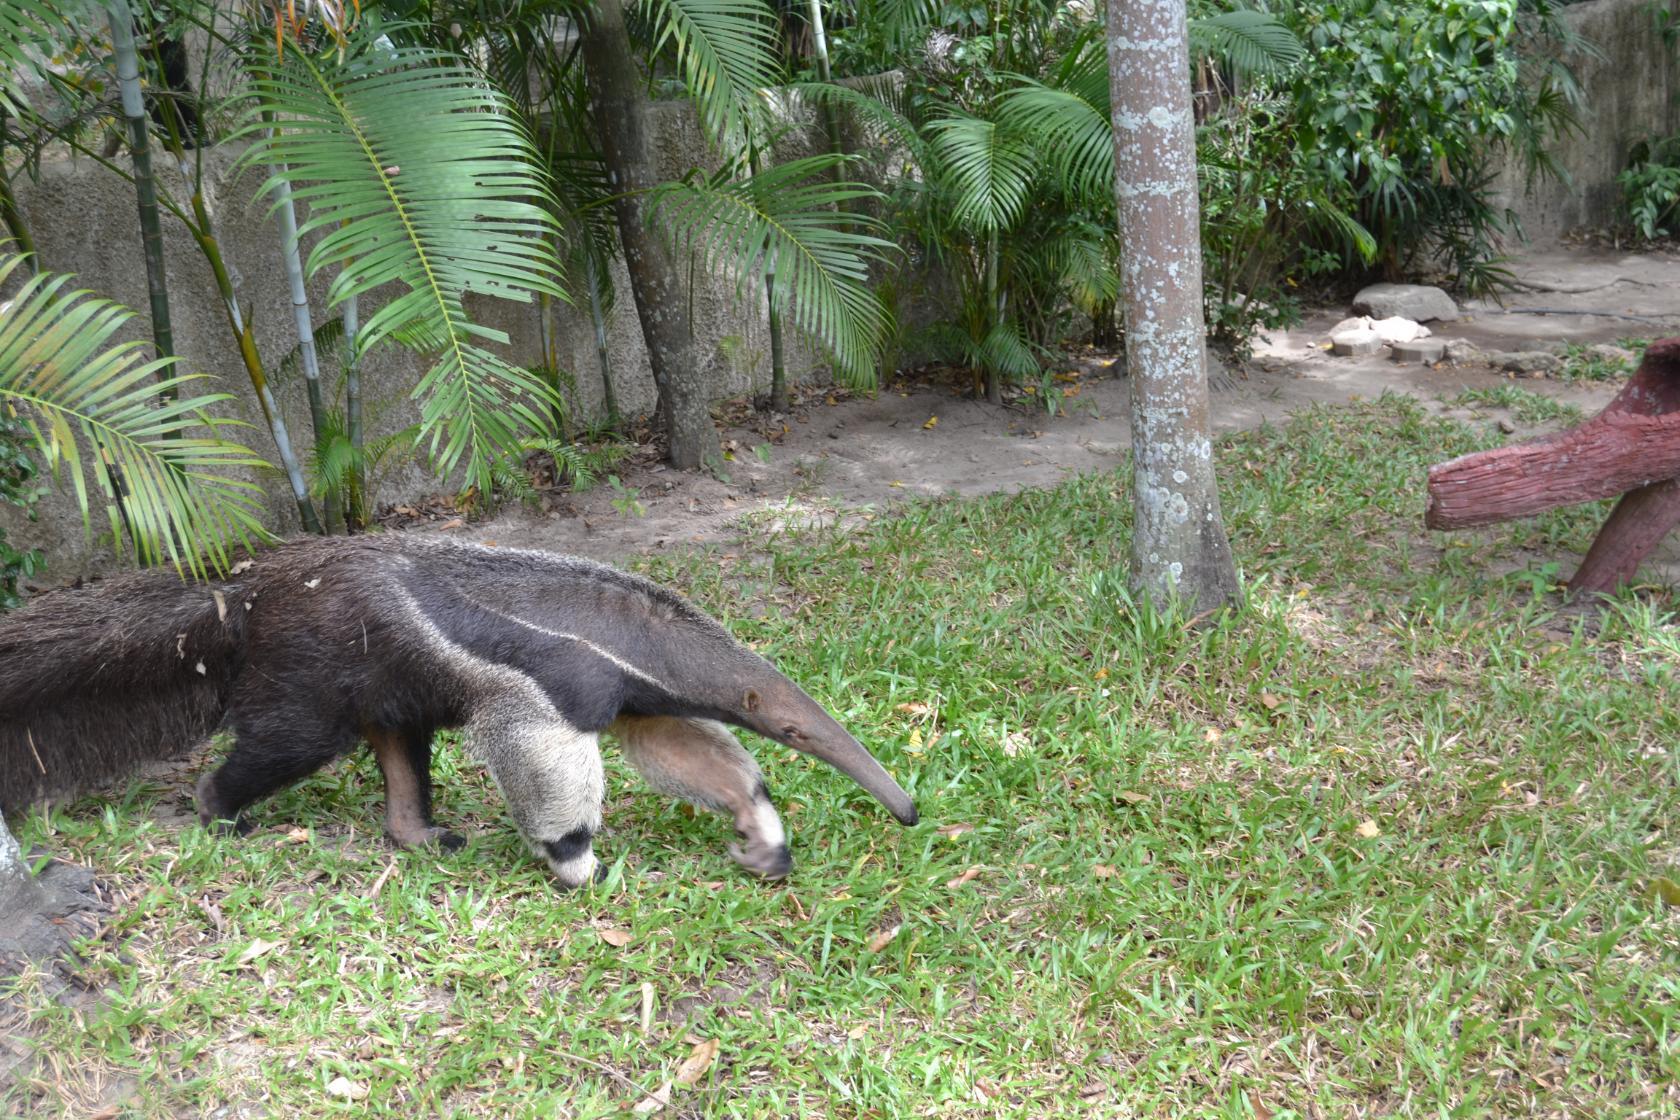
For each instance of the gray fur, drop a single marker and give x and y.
(324, 641)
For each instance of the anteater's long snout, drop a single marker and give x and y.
(792, 718)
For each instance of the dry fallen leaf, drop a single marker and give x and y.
(1104, 871)
(654, 1101)
(916, 708)
(1211, 735)
(617, 938)
(452, 523)
(1270, 701)
(699, 1060)
(952, 831)
(1369, 830)
(968, 876)
(883, 938)
(857, 1032)
(221, 606)
(344, 1087)
(298, 835)
(256, 949)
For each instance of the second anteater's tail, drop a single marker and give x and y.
(94, 682)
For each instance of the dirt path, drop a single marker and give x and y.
(923, 440)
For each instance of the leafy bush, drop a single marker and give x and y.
(1651, 187)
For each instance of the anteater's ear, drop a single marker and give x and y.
(750, 702)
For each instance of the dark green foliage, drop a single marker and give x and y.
(18, 487)
(1651, 187)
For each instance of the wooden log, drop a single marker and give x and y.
(1637, 525)
(1632, 444)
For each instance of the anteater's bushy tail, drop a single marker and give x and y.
(93, 682)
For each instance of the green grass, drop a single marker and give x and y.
(1526, 405)
(1377, 846)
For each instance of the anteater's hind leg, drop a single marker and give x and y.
(270, 752)
(405, 758)
(550, 773)
(699, 761)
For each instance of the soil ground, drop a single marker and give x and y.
(921, 438)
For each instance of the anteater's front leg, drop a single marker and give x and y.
(550, 773)
(699, 761)
(405, 758)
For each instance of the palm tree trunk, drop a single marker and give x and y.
(778, 365)
(598, 319)
(994, 309)
(151, 233)
(621, 116)
(1179, 546)
(355, 511)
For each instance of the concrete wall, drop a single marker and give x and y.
(1632, 89)
(84, 221)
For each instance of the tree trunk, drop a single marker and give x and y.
(16, 883)
(616, 87)
(1179, 547)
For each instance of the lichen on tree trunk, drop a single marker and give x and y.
(620, 104)
(1179, 546)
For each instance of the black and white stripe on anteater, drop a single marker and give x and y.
(322, 643)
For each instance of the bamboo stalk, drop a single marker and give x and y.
(204, 233)
(121, 20)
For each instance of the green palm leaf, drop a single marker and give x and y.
(85, 400)
(28, 29)
(1074, 135)
(788, 219)
(989, 168)
(725, 50)
(416, 174)
(1252, 41)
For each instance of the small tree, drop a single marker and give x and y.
(1179, 547)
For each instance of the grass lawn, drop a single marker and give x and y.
(1380, 845)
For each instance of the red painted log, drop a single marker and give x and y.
(1637, 525)
(1632, 444)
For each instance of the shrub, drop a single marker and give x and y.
(1651, 187)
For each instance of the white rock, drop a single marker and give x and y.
(1399, 329)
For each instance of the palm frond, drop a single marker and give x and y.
(792, 219)
(1249, 40)
(725, 50)
(901, 20)
(989, 168)
(1074, 135)
(876, 103)
(29, 30)
(1004, 349)
(415, 173)
(98, 409)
